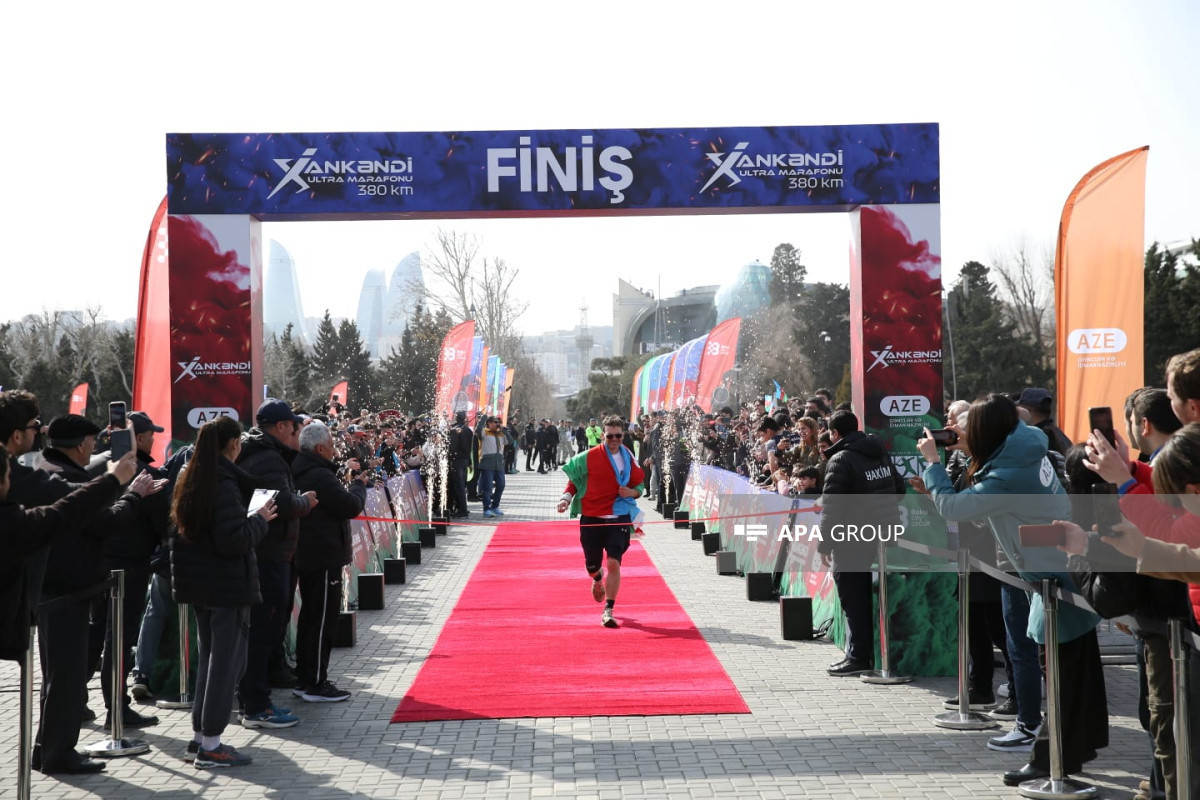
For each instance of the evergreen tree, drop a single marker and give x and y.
(787, 275)
(356, 366)
(326, 357)
(822, 333)
(988, 355)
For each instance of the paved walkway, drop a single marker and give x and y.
(810, 735)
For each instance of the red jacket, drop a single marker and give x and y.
(1158, 521)
(601, 491)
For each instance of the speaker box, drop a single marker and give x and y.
(712, 543)
(347, 630)
(795, 617)
(759, 585)
(370, 591)
(726, 562)
(411, 552)
(428, 536)
(394, 570)
(681, 520)
(697, 531)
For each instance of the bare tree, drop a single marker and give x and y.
(451, 266)
(1026, 284)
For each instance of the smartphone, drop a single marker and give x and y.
(944, 437)
(120, 443)
(1050, 535)
(116, 415)
(1101, 419)
(259, 499)
(1107, 505)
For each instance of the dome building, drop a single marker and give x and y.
(748, 291)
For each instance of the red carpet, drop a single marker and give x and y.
(525, 640)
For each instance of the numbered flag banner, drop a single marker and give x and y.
(453, 364)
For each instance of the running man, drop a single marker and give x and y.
(604, 483)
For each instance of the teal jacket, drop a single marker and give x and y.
(1018, 486)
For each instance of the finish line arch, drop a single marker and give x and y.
(886, 177)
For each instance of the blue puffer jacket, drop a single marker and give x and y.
(1017, 486)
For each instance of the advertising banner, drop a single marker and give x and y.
(79, 398)
(152, 367)
(690, 372)
(495, 173)
(383, 534)
(1098, 290)
(508, 389)
(635, 395)
(214, 347)
(716, 363)
(453, 363)
(668, 400)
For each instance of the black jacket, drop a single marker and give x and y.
(76, 557)
(861, 487)
(460, 444)
(221, 568)
(26, 532)
(325, 532)
(269, 461)
(32, 488)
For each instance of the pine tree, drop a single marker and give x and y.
(787, 275)
(988, 355)
(326, 357)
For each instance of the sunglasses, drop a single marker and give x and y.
(617, 436)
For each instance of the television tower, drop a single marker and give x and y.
(584, 342)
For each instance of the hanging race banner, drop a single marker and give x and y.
(453, 364)
(716, 364)
(1098, 290)
(79, 398)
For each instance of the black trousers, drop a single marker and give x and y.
(63, 647)
(222, 634)
(986, 629)
(320, 606)
(100, 629)
(1084, 705)
(854, 593)
(268, 623)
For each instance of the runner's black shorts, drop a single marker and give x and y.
(600, 535)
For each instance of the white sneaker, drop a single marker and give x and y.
(1019, 740)
(606, 619)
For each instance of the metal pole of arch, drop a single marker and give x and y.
(183, 699)
(117, 744)
(883, 676)
(964, 719)
(25, 753)
(1183, 738)
(1058, 786)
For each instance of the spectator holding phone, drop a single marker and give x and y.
(214, 568)
(1010, 482)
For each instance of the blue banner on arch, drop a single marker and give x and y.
(499, 173)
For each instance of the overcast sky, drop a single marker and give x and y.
(1029, 96)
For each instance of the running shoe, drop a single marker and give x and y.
(487, 512)
(606, 619)
(976, 702)
(223, 756)
(268, 719)
(325, 692)
(1019, 740)
(598, 590)
(1006, 711)
(497, 512)
(189, 755)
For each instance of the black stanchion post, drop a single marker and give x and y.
(884, 676)
(1183, 734)
(183, 699)
(25, 737)
(964, 719)
(117, 744)
(1058, 785)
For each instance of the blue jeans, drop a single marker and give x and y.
(487, 479)
(1023, 653)
(158, 612)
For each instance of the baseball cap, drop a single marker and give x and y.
(142, 423)
(272, 411)
(1035, 398)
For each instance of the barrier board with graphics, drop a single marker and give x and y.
(922, 618)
